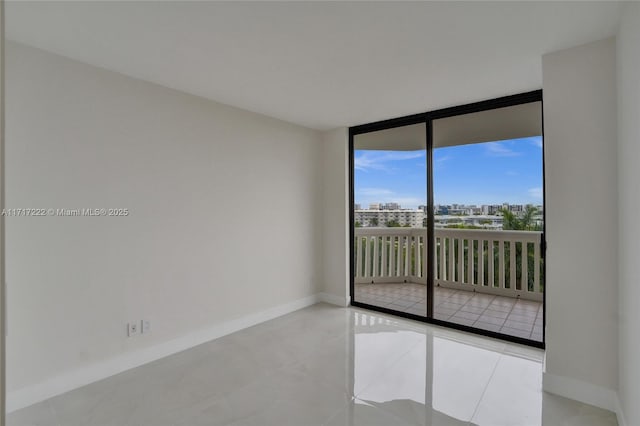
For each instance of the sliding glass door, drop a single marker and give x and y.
(447, 217)
(488, 220)
(390, 218)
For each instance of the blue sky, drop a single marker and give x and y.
(485, 173)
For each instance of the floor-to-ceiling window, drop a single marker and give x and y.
(390, 218)
(448, 217)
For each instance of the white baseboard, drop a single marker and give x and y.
(622, 420)
(581, 391)
(70, 380)
(334, 300)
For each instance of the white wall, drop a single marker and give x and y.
(225, 217)
(628, 55)
(581, 198)
(335, 162)
(2, 250)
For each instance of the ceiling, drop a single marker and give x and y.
(319, 64)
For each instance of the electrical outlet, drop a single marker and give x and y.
(145, 326)
(132, 329)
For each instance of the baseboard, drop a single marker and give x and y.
(70, 380)
(581, 391)
(334, 300)
(622, 420)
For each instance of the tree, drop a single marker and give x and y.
(393, 224)
(358, 224)
(528, 219)
(525, 223)
(373, 221)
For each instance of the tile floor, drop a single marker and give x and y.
(515, 317)
(332, 366)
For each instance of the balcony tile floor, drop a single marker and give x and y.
(507, 315)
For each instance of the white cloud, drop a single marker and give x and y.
(378, 160)
(439, 162)
(500, 149)
(533, 140)
(537, 141)
(375, 192)
(535, 192)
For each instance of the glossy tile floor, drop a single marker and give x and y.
(325, 365)
(515, 317)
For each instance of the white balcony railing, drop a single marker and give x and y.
(506, 263)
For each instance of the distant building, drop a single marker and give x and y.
(443, 210)
(403, 217)
(486, 216)
(390, 206)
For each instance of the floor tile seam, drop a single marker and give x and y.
(522, 318)
(536, 320)
(484, 391)
(389, 366)
(483, 311)
(413, 302)
(511, 310)
(520, 321)
(446, 297)
(476, 293)
(531, 325)
(514, 332)
(534, 325)
(417, 303)
(515, 328)
(488, 323)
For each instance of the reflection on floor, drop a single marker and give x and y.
(515, 317)
(332, 366)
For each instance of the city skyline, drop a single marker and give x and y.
(385, 206)
(489, 173)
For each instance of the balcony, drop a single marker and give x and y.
(486, 279)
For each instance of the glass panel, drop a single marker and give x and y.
(488, 205)
(390, 193)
